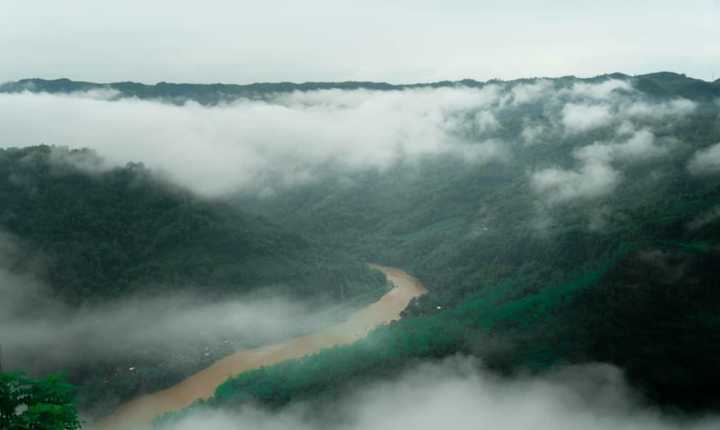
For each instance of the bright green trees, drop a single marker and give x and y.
(42, 404)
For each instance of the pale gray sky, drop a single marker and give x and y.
(329, 40)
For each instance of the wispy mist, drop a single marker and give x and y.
(284, 139)
(217, 149)
(457, 393)
(40, 333)
(706, 161)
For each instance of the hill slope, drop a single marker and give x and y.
(108, 234)
(110, 240)
(590, 244)
(587, 235)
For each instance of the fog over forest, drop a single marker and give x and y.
(277, 215)
(283, 140)
(458, 392)
(43, 333)
(144, 238)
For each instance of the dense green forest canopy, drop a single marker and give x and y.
(539, 251)
(663, 333)
(566, 197)
(37, 404)
(100, 236)
(577, 220)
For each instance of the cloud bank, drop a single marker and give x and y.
(218, 149)
(706, 161)
(40, 333)
(593, 179)
(458, 394)
(598, 173)
(578, 118)
(286, 139)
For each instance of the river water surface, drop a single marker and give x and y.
(201, 385)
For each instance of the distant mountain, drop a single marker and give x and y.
(659, 84)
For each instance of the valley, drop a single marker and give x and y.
(202, 385)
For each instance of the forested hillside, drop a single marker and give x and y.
(98, 236)
(590, 244)
(359, 215)
(560, 199)
(103, 234)
(554, 221)
(663, 333)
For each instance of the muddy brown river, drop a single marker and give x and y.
(139, 412)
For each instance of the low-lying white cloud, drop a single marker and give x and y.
(220, 148)
(706, 161)
(577, 117)
(599, 91)
(40, 333)
(592, 180)
(457, 393)
(598, 173)
(639, 146)
(283, 139)
(486, 122)
(529, 93)
(676, 108)
(531, 133)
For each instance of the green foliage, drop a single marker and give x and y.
(655, 315)
(561, 323)
(513, 279)
(96, 235)
(549, 279)
(111, 233)
(42, 404)
(389, 349)
(459, 226)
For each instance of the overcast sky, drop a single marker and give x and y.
(329, 40)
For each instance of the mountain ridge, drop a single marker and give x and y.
(213, 93)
